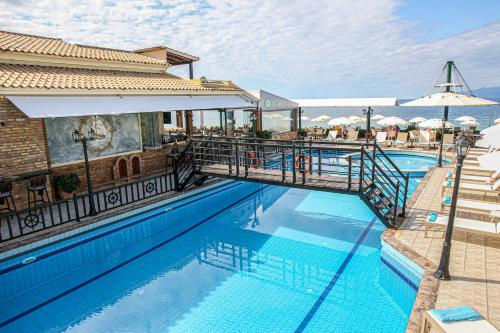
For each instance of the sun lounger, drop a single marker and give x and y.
(381, 138)
(401, 139)
(476, 179)
(425, 140)
(471, 162)
(448, 141)
(477, 170)
(461, 224)
(480, 207)
(482, 188)
(352, 137)
(465, 326)
(332, 136)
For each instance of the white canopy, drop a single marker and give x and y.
(321, 118)
(378, 117)
(305, 118)
(392, 121)
(356, 120)
(469, 123)
(465, 118)
(417, 120)
(449, 99)
(490, 161)
(339, 121)
(360, 102)
(61, 106)
(491, 137)
(497, 121)
(435, 123)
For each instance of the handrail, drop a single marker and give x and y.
(390, 161)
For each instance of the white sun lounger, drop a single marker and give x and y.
(381, 138)
(465, 326)
(332, 136)
(485, 188)
(465, 225)
(473, 206)
(476, 179)
(475, 170)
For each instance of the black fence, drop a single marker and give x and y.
(48, 215)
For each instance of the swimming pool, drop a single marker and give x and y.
(239, 257)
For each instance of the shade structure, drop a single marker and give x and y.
(435, 123)
(417, 120)
(356, 120)
(392, 121)
(321, 118)
(449, 99)
(64, 106)
(465, 118)
(497, 121)
(340, 121)
(347, 102)
(378, 117)
(469, 123)
(305, 118)
(491, 137)
(490, 161)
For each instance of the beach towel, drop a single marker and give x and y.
(458, 313)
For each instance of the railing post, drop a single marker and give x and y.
(361, 168)
(374, 160)
(75, 203)
(246, 161)
(237, 157)
(396, 203)
(230, 158)
(349, 181)
(310, 156)
(407, 180)
(283, 167)
(174, 167)
(302, 164)
(294, 175)
(319, 161)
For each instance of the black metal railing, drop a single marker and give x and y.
(355, 168)
(49, 215)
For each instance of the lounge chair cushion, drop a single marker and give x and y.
(474, 326)
(465, 224)
(458, 313)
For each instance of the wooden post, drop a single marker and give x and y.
(191, 71)
(189, 123)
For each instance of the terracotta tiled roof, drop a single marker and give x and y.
(28, 76)
(16, 42)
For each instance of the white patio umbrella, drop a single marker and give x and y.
(378, 117)
(356, 120)
(466, 118)
(305, 118)
(417, 120)
(340, 121)
(393, 121)
(321, 118)
(497, 121)
(471, 123)
(491, 137)
(449, 98)
(490, 161)
(435, 123)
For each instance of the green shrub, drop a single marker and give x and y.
(68, 183)
(264, 134)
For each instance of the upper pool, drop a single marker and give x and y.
(239, 257)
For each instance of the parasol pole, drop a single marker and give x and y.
(449, 65)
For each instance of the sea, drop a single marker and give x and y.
(485, 115)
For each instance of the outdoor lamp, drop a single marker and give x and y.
(76, 135)
(462, 148)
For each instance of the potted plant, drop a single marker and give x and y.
(67, 185)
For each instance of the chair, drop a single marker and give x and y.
(482, 188)
(36, 190)
(448, 141)
(352, 136)
(381, 138)
(401, 139)
(473, 326)
(480, 207)
(5, 195)
(461, 224)
(425, 139)
(477, 170)
(332, 136)
(476, 179)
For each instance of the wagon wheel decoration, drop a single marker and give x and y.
(31, 220)
(150, 187)
(112, 198)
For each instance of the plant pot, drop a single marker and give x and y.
(64, 195)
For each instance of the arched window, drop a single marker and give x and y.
(122, 168)
(136, 166)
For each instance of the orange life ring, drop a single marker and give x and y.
(251, 155)
(307, 162)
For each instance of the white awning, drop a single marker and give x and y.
(61, 106)
(357, 102)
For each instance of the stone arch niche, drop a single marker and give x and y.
(136, 166)
(120, 169)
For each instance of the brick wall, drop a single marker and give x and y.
(23, 149)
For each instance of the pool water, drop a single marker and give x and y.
(241, 257)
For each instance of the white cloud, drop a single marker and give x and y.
(296, 48)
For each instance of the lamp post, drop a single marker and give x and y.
(368, 113)
(443, 273)
(253, 119)
(77, 137)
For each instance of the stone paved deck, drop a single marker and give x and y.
(475, 260)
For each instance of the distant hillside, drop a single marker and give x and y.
(490, 92)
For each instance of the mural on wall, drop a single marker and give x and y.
(114, 135)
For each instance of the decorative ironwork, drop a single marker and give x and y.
(113, 198)
(32, 219)
(149, 187)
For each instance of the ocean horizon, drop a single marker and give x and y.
(485, 115)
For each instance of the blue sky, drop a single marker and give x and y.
(297, 48)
